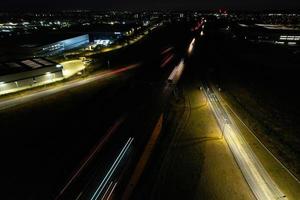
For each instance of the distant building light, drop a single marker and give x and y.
(292, 43)
(103, 42)
(243, 25)
(277, 42)
(290, 37)
(6, 31)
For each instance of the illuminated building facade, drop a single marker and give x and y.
(63, 45)
(30, 72)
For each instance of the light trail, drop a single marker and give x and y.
(198, 25)
(191, 47)
(166, 60)
(260, 182)
(167, 50)
(91, 155)
(111, 191)
(8, 103)
(177, 72)
(112, 170)
(107, 190)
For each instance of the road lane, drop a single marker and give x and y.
(191, 161)
(143, 160)
(111, 172)
(91, 155)
(88, 127)
(5, 104)
(288, 183)
(255, 174)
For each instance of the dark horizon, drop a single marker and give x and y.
(208, 10)
(134, 5)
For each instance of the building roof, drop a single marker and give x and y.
(37, 39)
(265, 29)
(24, 65)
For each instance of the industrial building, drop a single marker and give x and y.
(266, 33)
(26, 73)
(62, 45)
(42, 44)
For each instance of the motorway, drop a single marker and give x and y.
(141, 131)
(281, 175)
(69, 136)
(112, 182)
(254, 172)
(205, 151)
(191, 160)
(37, 94)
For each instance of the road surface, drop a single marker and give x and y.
(34, 95)
(260, 182)
(192, 160)
(286, 181)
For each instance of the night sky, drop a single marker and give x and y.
(151, 4)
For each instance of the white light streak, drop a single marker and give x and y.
(260, 182)
(112, 169)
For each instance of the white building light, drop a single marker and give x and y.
(103, 42)
(292, 43)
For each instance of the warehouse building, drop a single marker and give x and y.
(41, 45)
(21, 74)
(62, 45)
(267, 33)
